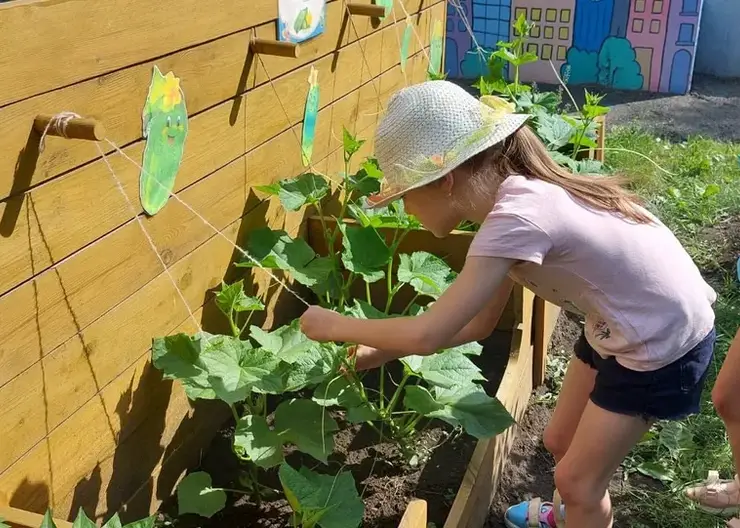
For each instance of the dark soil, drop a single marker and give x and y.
(386, 482)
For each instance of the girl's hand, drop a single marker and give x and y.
(367, 358)
(319, 323)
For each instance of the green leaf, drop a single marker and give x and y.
(562, 159)
(526, 58)
(365, 252)
(657, 470)
(287, 343)
(232, 297)
(554, 130)
(178, 358)
(413, 362)
(594, 111)
(277, 250)
(255, 441)
(470, 407)
(196, 494)
(272, 189)
(589, 166)
(367, 180)
(468, 349)
(449, 369)
(235, 369)
(362, 310)
(83, 521)
(339, 392)
(307, 425)
(113, 522)
(426, 273)
(306, 189)
(676, 437)
(149, 522)
(361, 414)
(350, 143)
(711, 190)
(324, 500)
(48, 521)
(312, 367)
(3, 525)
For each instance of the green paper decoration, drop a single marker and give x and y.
(405, 43)
(309, 118)
(388, 4)
(165, 127)
(435, 53)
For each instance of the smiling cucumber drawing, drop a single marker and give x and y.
(165, 124)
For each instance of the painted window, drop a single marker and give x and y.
(564, 32)
(551, 15)
(536, 14)
(479, 11)
(520, 11)
(565, 16)
(655, 26)
(562, 52)
(546, 51)
(532, 48)
(637, 25)
(690, 7)
(658, 7)
(639, 6)
(549, 32)
(536, 32)
(492, 12)
(686, 35)
(506, 13)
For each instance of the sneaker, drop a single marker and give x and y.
(533, 514)
(716, 496)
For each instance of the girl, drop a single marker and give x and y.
(579, 241)
(723, 496)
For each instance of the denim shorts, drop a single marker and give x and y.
(670, 393)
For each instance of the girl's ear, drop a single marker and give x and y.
(447, 183)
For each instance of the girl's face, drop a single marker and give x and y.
(434, 207)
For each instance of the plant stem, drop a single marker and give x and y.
(397, 394)
(233, 411)
(410, 304)
(382, 387)
(232, 323)
(389, 285)
(369, 295)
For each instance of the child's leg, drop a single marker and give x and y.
(603, 439)
(724, 496)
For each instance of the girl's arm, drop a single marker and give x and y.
(437, 328)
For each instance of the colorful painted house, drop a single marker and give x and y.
(622, 44)
(551, 37)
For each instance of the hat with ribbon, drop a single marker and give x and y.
(431, 128)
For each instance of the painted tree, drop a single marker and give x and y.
(618, 67)
(582, 67)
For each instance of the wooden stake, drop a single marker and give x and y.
(277, 48)
(75, 128)
(368, 10)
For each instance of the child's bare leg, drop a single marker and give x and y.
(582, 476)
(577, 386)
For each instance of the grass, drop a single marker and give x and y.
(696, 194)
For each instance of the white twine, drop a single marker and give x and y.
(59, 122)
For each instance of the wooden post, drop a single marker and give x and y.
(368, 10)
(539, 354)
(599, 155)
(23, 518)
(73, 128)
(277, 48)
(415, 515)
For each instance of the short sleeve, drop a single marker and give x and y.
(510, 236)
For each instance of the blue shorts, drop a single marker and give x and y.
(670, 393)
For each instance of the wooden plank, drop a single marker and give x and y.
(55, 220)
(544, 321)
(415, 515)
(42, 318)
(471, 506)
(87, 358)
(18, 518)
(210, 73)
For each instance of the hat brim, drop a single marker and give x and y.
(513, 121)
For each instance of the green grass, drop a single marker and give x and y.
(698, 190)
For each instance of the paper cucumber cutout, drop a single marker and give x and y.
(435, 52)
(405, 43)
(309, 118)
(302, 21)
(388, 4)
(165, 124)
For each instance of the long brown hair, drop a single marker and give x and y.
(523, 153)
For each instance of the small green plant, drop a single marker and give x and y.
(83, 521)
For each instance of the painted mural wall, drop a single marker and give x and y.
(622, 44)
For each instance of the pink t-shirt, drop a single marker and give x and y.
(644, 300)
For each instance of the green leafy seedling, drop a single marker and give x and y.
(196, 494)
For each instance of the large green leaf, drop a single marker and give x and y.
(365, 252)
(367, 180)
(235, 369)
(324, 500)
(554, 130)
(469, 407)
(83, 521)
(196, 494)
(426, 273)
(113, 522)
(394, 215)
(255, 441)
(232, 298)
(468, 349)
(339, 392)
(277, 250)
(448, 369)
(294, 193)
(312, 367)
(363, 310)
(149, 522)
(287, 342)
(177, 357)
(307, 425)
(47, 522)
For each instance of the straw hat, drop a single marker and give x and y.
(431, 128)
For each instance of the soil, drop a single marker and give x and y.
(386, 482)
